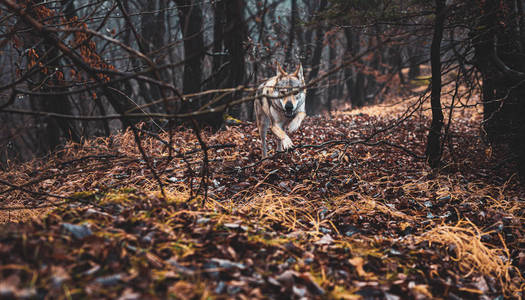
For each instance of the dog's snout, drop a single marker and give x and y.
(288, 106)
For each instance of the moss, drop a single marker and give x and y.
(421, 80)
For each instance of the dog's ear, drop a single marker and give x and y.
(299, 73)
(279, 70)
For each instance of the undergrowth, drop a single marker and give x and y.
(345, 221)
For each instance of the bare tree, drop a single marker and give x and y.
(433, 150)
(312, 101)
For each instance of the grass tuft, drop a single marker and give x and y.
(473, 255)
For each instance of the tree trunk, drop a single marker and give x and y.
(291, 35)
(219, 21)
(413, 62)
(230, 35)
(233, 41)
(358, 93)
(313, 101)
(332, 85)
(355, 79)
(55, 131)
(190, 14)
(497, 43)
(152, 35)
(433, 150)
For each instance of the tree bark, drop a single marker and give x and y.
(433, 150)
(355, 79)
(497, 44)
(56, 131)
(414, 69)
(313, 101)
(229, 37)
(291, 34)
(332, 85)
(190, 14)
(152, 35)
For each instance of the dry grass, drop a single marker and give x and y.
(375, 184)
(362, 204)
(475, 256)
(270, 206)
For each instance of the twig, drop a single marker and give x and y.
(20, 188)
(332, 143)
(146, 159)
(205, 162)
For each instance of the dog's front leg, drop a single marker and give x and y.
(286, 142)
(296, 122)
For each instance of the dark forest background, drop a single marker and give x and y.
(78, 69)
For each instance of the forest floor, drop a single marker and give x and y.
(343, 216)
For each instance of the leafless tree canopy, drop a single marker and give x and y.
(78, 69)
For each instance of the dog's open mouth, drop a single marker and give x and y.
(289, 114)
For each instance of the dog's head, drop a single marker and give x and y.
(289, 87)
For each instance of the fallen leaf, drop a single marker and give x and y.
(358, 263)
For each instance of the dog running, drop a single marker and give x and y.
(280, 107)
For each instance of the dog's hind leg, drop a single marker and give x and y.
(263, 129)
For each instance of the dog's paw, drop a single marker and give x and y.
(286, 143)
(293, 126)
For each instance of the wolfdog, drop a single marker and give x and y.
(280, 107)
